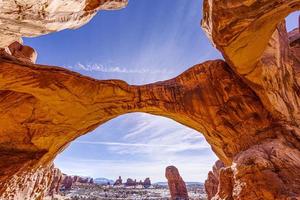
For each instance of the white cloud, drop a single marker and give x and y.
(137, 144)
(159, 135)
(96, 67)
(132, 148)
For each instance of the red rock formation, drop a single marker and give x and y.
(266, 63)
(18, 52)
(67, 182)
(177, 186)
(212, 182)
(247, 107)
(147, 183)
(56, 181)
(23, 53)
(60, 181)
(253, 57)
(118, 181)
(130, 182)
(82, 180)
(35, 184)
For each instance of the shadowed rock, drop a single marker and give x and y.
(212, 182)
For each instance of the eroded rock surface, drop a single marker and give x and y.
(176, 184)
(212, 182)
(257, 48)
(32, 18)
(34, 184)
(247, 107)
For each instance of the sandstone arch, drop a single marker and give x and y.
(248, 109)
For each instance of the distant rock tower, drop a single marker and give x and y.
(176, 184)
(118, 181)
(147, 183)
(212, 182)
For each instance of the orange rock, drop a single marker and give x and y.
(212, 182)
(247, 107)
(176, 184)
(23, 53)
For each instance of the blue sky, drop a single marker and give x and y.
(147, 41)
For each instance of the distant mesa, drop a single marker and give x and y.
(176, 184)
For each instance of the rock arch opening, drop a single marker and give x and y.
(138, 145)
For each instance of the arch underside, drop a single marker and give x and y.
(247, 107)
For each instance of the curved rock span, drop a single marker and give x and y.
(247, 106)
(176, 184)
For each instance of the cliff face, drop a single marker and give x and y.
(247, 107)
(33, 184)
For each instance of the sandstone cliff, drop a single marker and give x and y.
(247, 107)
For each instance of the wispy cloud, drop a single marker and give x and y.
(130, 144)
(157, 135)
(96, 67)
(166, 147)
